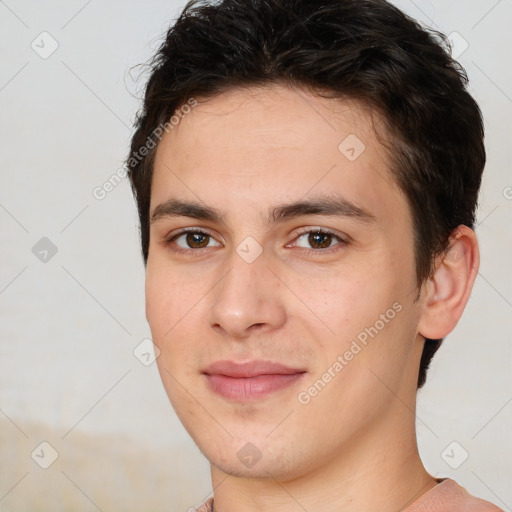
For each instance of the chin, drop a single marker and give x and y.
(248, 461)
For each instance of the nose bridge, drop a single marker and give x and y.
(247, 295)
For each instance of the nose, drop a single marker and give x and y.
(248, 300)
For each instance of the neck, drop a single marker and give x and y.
(379, 469)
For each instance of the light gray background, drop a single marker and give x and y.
(68, 375)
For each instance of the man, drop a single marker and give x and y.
(306, 175)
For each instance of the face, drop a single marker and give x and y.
(281, 285)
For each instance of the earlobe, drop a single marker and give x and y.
(447, 291)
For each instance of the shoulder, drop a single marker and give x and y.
(207, 506)
(449, 496)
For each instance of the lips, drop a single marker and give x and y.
(251, 380)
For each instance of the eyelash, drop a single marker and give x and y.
(328, 250)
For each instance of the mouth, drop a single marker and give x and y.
(249, 381)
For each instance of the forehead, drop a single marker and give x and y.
(253, 144)
(273, 115)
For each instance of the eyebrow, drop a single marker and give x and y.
(325, 205)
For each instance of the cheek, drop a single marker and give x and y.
(166, 308)
(156, 299)
(366, 311)
(168, 295)
(352, 300)
(174, 312)
(163, 315)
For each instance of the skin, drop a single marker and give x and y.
(353, 446)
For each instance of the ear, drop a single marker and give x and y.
(447, 291)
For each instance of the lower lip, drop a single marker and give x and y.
(250, 388)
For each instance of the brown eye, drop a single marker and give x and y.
(319, 240)
(188, 240)
(197, 240)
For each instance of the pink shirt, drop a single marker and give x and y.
(446, 496)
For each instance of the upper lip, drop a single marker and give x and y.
(249, 369)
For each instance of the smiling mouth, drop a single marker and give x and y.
(251, 380)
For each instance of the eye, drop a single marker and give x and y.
(190, 239)
(313, 241)
(318, 240)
